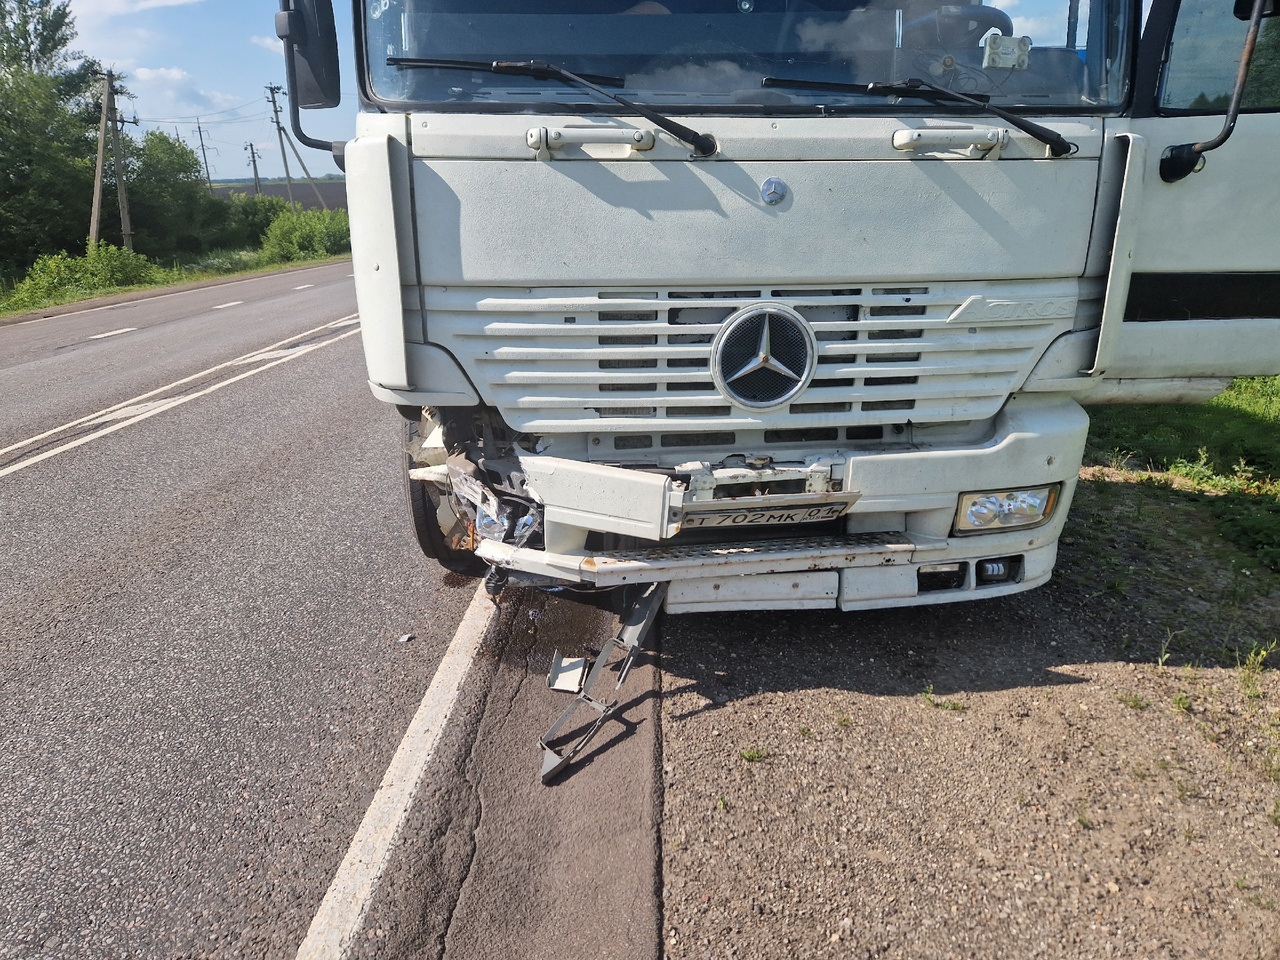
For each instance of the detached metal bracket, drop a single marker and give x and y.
(566, 674)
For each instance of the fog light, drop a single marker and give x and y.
(993, 571)
(998, 570)
(1005, 509)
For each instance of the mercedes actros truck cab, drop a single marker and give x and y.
(790, 304)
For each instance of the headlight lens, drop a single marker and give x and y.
(991, 511)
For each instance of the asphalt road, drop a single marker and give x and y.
(205, 573)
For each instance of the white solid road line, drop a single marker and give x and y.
(113, 333)
(133, 401)
(165, 296)
(337, 923)
(167, 405)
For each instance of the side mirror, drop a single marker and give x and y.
(1244, 9)
(310, 52)
(1183, 159)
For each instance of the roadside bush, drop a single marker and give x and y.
(306, 235)
(218, 262)
(252, 216)
(59, 277)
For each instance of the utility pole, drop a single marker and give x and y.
(284, 136)
(95, 219)
(112, 115)
(117, 160)
(205, 154)
(253, 158)
(272, 90)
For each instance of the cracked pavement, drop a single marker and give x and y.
(494, 865)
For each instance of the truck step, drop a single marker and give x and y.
(651, 564)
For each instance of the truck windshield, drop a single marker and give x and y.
(710, 56)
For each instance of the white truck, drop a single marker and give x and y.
(788, 304)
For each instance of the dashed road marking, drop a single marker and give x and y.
(161, 296)
(113, 333)
(161, 405)
(223, 306)
(336, 925)
(166, 405)
(305, 286)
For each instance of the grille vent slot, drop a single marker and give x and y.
(631, 354)
(619, 316)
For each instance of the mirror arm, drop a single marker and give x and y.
(286, 30)
(1183, 159)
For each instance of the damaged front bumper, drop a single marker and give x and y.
(882, 522)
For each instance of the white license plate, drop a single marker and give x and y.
(771, 516)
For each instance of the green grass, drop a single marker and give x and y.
(1227, 450)
(210, 267)
(293, 236)
(1251, 667)
(953, 705)
(1133, 701)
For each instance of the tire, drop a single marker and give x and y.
(423, 503)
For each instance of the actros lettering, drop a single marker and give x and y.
(1029, 309)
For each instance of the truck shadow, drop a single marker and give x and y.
(1142, 577)
(1141, 580)
(986, 645)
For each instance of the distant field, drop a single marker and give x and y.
(333, 191)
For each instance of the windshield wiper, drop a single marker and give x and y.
(1058, 145)
(704, 145)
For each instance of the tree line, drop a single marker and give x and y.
(49, 116)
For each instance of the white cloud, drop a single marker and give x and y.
(165, 93)
(268, 43)
(102, 9)
(106, 30)
(168, 74)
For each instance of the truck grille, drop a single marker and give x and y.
(638, 362)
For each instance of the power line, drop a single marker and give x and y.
(207, 123)
(211, 113)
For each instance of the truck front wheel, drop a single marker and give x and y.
(424, 502)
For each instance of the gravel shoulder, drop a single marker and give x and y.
(1088, 770)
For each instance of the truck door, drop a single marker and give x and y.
(1204, 298)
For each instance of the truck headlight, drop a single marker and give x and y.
(991, 511)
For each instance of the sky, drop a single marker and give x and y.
(210, 61)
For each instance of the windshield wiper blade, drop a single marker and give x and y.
(908, 88)
(1058, 145)
(704, 145)
(529, 68)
